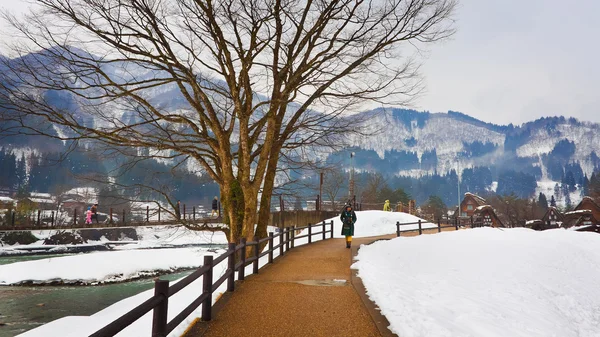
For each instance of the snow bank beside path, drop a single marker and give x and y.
(375, 223)
(101, 266)
(486, 282)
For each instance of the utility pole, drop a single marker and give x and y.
(351, 175)
(320, 191)
(458, 184)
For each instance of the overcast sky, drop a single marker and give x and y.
(512, 61)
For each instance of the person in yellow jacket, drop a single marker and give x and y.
(386, 206)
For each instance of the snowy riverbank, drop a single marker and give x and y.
(486, 282)
(102, 267)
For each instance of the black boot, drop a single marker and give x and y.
(347, 244)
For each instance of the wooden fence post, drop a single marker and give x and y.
(255, 263)
(332, 229)
(159, 317)
(183, 211)
(242, 271)
(231, 266)
(439, 225)
(309, 232)
(38, 219)
(194, 212)
(420, 228)
(207, 281)
(323, 230)
(158, 213)
(456, 223)
(147, 213)
(14, 213)
(75, 217)
(287, 239)
(111, 219)
(281, 241)
(293, 239)
(471, 221)
(397, 228)
(123, 220)
(271, 238)
(52, 219)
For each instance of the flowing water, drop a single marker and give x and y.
(24, 308)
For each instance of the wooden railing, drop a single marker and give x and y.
(441, 224)
(159, 303)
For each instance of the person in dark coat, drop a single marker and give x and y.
(215, 207)
(94, 210)
(348, 218)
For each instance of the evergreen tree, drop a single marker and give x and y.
(586, 186)
(21, 173)
(542, 202)
(552, 201)
(570, 181)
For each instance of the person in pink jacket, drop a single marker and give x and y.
(88, 216)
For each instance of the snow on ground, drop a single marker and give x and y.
(101, 267)
(375, 223)
(486, 282)
(161, 236)
(148, 237)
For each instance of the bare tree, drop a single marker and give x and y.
(333, 183)
(250, 76)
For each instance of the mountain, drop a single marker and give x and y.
(412, 143)
(412, 148)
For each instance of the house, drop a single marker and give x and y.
(469, 204)
(553, 218)
(588, 203)
(486, 216)
(6, 202)
(583, 217)
(70, 205)
(42, 201)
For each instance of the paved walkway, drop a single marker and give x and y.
(311, 291)
(308, 292)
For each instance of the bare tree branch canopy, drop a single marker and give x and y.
(254, 78)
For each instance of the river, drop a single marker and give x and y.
(23, 308)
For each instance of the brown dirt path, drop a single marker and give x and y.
(295, 296)
(275, 303)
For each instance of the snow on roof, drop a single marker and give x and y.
(581, 211)
(40, 195)
(477, 198)
(41, 200)
(7, 199)
(482, 207)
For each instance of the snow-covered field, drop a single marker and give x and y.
(486, 282)
(102, 267)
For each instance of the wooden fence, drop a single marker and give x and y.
(441, 224)
(159, 303)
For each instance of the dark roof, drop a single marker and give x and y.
(586, 198)
(576, 218)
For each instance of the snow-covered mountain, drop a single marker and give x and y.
(442, 142)
(393, 141)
